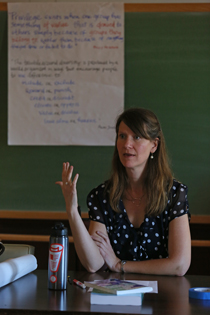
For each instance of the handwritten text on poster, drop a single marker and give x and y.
(65, 73)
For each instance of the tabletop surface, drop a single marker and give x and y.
(30, 295)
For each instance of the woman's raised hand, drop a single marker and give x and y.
(68, 186)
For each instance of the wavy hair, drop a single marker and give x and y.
(158, 175)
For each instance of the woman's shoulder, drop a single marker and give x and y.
(178, 186)
(178, 200)
(178, 192)
(99, 190)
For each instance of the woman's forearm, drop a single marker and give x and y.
(86, 248)
(164, 266)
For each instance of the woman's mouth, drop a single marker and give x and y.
(128, 154)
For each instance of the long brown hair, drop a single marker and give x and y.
(158, 179)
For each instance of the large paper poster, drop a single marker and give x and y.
(66, 72)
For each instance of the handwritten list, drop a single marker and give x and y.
(66, 73)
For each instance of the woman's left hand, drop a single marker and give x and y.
(106, 251)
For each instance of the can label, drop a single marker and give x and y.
(55, 255)
(53, 279)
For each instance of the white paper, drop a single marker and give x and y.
(153, 284)
(66, 72)
(13, 269)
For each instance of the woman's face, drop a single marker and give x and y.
(133, 151)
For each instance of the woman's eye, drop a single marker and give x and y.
(121, 136)
(137, 137)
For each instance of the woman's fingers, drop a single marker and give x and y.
(103, 236)
(75, 179)
(99, 242)
(67, 173)
(64, 173)
(59, 183)
(101, 239)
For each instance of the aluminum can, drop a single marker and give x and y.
(58, 257)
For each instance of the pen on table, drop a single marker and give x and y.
(80, 284)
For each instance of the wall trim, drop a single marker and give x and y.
(155, 7)
(61, 215)
(45, 238)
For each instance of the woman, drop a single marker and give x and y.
(139, 218)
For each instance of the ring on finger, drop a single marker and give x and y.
(66, 183)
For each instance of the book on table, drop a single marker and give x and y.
(98, 297)
(118, 287)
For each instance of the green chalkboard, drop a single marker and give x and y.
(167, 69)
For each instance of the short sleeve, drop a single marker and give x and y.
(179, 205)
(95, 205)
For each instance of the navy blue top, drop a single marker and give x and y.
(150, 240)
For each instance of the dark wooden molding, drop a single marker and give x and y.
(155, 7)
(3, 6)
(37, 215)
(61, 215)
(167, 7)
(28, 238)
(45, 238)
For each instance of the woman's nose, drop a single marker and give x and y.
(128, 143)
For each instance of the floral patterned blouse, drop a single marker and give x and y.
(150, 240)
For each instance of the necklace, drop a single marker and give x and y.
(135, 200)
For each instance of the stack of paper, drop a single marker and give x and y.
(117, 292)
(97, 297)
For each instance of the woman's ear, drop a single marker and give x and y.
(155, 145)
